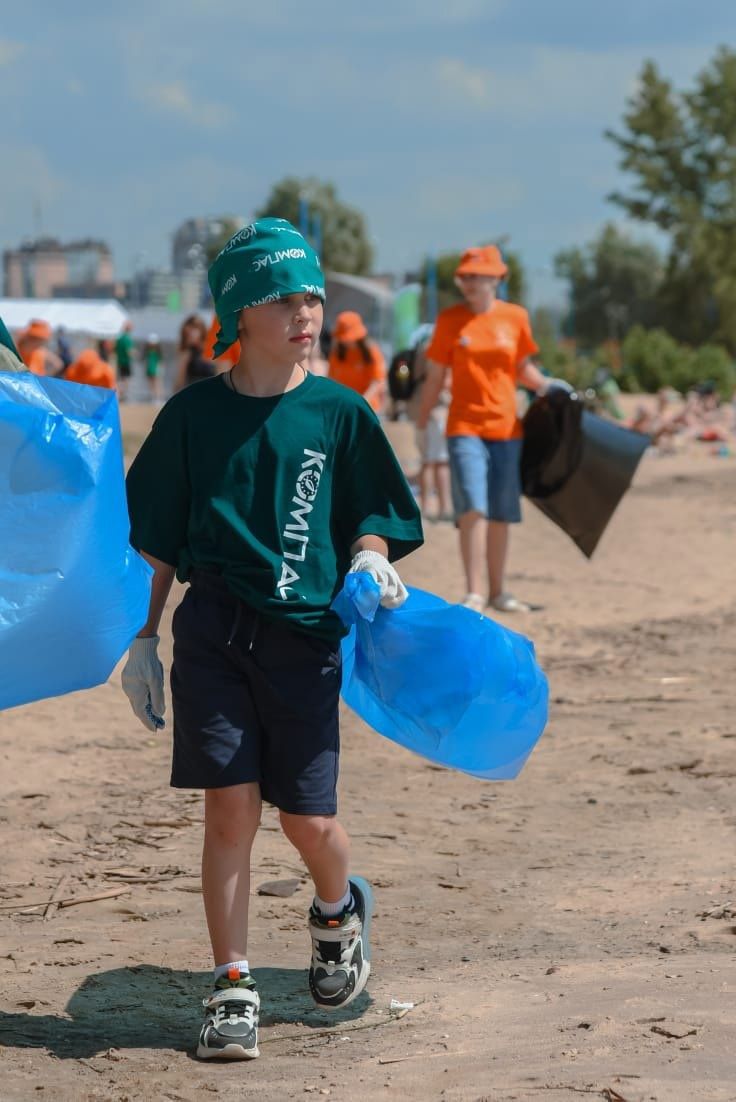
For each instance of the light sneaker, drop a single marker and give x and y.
(506, 602)
(474, 601)
(341, 953)
(230, 1029)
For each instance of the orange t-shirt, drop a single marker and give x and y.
(355, 373)
(94, 374)
(34, 359)
(484, 352)
(231, 354)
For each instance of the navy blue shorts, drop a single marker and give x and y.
(253, 700)
(486, 477)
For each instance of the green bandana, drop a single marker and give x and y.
(263, 262)
(6, 339)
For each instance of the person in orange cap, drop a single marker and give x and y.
(34, 351)
(485, 346)
(90, 368)
(357, 362)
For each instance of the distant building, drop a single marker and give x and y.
(157, 288)
(184, 287)
(194, 239)
(47, 269)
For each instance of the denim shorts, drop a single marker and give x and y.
(253, 700)
(486, 477)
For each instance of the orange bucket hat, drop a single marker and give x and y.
(41, 330)
(349, 327)
(485, 261)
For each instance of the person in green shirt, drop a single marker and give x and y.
(152, 357)
(124, 347)
(262, 488)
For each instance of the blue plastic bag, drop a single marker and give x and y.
(73, 593)
(442, 680)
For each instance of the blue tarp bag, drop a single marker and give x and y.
(442, 680)
(73, 593)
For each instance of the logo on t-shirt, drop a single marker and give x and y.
(296, 530)
(307, 484)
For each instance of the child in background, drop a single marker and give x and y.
(34, 351)
(90, 368)
(152, 356)
(262, 487)
(434, 472)
(357, 362)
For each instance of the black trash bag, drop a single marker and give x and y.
(576, 466)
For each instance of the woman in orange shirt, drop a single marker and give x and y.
(34, 351)
(357, 362)
(90, 368)
(486, 346)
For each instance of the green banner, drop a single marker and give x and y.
(407, 304)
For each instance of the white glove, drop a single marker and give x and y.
(143, 682)
(393, 590)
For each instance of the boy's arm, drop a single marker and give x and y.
(370, 543)
(161, 583)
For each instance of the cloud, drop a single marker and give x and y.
(174, 98)
(562, 82)
(483, 198)
(9, 51)
(469, 82)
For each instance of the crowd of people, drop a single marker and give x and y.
(672, 420)
(459, 383)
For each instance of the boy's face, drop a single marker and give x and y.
(283, 331)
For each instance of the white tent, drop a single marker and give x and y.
(104, 318)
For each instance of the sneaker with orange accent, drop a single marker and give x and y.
(230, 1029)
(341, 953)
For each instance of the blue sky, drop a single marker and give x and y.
(447, 122)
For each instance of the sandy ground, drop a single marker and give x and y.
(550, 931)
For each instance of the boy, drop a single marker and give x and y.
(262, 487)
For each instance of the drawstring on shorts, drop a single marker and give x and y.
(236, 622)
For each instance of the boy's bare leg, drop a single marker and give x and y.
(231, 818)
(325, 850)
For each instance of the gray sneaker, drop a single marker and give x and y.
(230, 1029)
(341, 952)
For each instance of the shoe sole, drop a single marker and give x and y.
(367, 893)
(229, 1052)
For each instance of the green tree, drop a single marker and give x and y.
(680, 148)
(345, 245)
(654, 359)
(613, 282)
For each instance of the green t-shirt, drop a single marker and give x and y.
(124, 350)
(270, 493)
